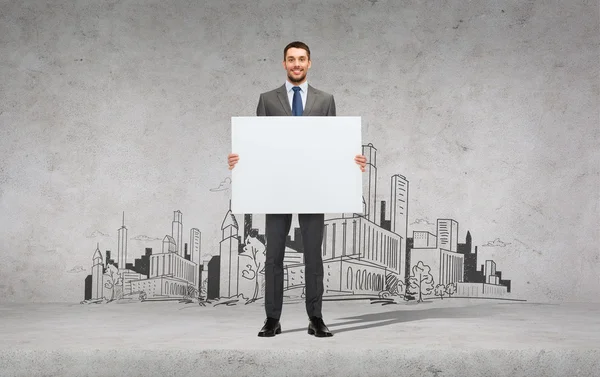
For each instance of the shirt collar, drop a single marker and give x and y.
(303, 86)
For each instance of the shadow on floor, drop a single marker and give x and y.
(387, 318)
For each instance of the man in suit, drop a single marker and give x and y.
(295, 98)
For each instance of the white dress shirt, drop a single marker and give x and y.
(303, 92)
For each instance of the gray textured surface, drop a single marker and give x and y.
(490, 108)
(455, 337)
(331, 363)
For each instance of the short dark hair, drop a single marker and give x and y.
(296, 44)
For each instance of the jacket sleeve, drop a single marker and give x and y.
(260, 109)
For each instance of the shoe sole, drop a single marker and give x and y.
(277, 332)
(312, 332)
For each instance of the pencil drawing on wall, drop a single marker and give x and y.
(368, 257)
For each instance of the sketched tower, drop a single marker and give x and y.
(177, 231)
(195, 240)
(122, 246)
(97, 275)
(447, 234)
(399, 215)
(370, 187)
(229, 258)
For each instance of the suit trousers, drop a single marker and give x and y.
(277, 230)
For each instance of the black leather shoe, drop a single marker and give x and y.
(271, 327)
(317, 327)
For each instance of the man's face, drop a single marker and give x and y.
(296, 64)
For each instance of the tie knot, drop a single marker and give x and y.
(296, 89)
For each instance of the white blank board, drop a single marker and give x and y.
(296, 165)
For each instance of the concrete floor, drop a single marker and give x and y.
(434, 338)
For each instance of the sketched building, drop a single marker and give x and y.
(424, 240)
(195, 237)
(399, 214)
(195, 256)
(170, 272)
(126, 270)
(447, 234)
(122, 246)
(492, 285)
(470, 274)
(166, 274)
(439, 252)
(229, 256)
(486, 282)
(177, 231)
(358, 254)
(97, 276)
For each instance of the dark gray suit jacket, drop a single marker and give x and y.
(276, 103)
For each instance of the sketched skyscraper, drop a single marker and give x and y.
(195, 237)
(229, 258)
(399, 213)
(177, 231)
(97, 273)
(370, 186)
(447, 234)
(122, 246)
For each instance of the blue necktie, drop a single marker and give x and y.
(296, 102)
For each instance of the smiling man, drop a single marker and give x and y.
(295, 98)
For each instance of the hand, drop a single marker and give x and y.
(361, 160)
(233, 159)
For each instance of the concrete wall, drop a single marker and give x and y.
(488, 108)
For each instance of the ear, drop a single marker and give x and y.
(283, 64)
(309, 63)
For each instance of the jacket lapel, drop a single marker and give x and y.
(283, 98)
(310, 101)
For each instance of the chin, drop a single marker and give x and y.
(296, 79)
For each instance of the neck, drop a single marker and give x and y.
(296, 83)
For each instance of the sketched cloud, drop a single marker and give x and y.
(76, 269)
(225, 185)
(97, 233)
(143, 237)
(496, 243)
(422, 222)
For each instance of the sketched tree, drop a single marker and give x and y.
(440, 289)
(256, 252)
(451, 289)
(113, 280)
(421, 280)
(401, 287)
